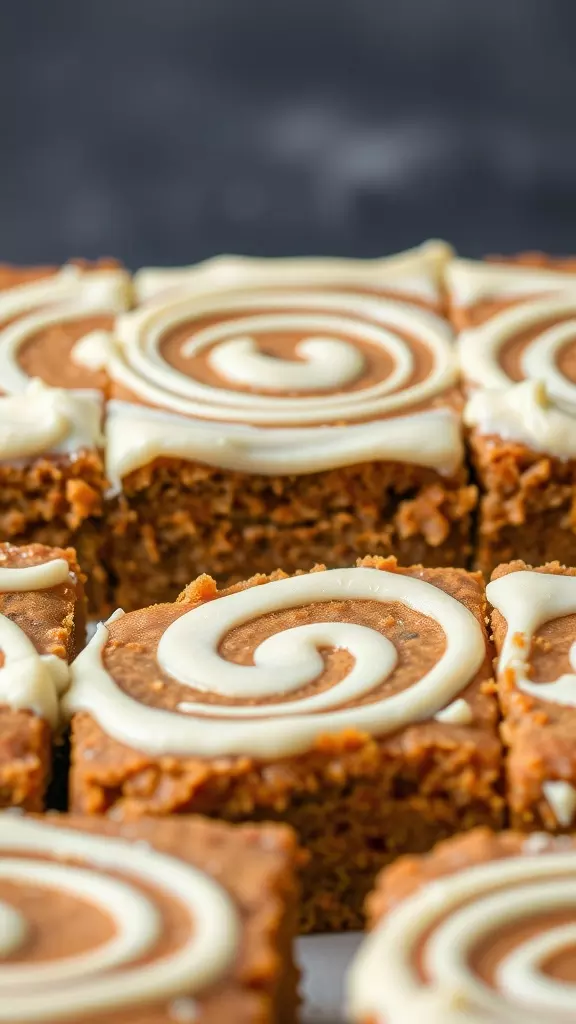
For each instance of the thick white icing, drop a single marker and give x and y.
(28, 680)
(107, 977)
(451, 916)
(136, 435)
(13, 379)
(36, 421)
(90, 290)
(189, 650)
(470, 281)
(139, 365)
(561, 796)
(92, 350)
(541, 410)
(523, 413)
(303, 418)
(326, 363)
(416, 272)
(45, 420)
(480, 347)
(527, 600)
(457, 713)
(34, 577)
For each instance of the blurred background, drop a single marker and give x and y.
(163, 131)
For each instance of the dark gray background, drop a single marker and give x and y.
(163, 131)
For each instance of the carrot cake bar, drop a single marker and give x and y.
(41, 629)
(534, 623)
(480, 931)
(518, 357)
(355, 704)
(53, 325)
(159, 922)
(284, 412)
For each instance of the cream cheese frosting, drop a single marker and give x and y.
(44, 420)
(440, 926)
(300, 401)
(417, 272)
(527, 600)
(29, 680)
(189, 651)
(119, 878)
(136, 435)
(523, 413)
(37, 419)
(471, 281)
(540, 410)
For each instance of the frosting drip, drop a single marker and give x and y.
(527, 600)
(110, 976)
(446, 921)
(29, 680)
(135, 436)
(189, 651)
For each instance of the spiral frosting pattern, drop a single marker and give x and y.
(521, 366)
(123, 970)
(282, 380)
(551, 324)
(335, 338)
(53, 337)
(290, 717)
(424, 960)
(28, 679)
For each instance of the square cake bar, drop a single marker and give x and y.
(284, 412)
(517, 348)
(534, 624)
(42, 624)
(356, 704)
(480, 931)
(55, 324)
(160, 922)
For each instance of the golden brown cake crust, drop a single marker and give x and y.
(356, 801)
(55, 622)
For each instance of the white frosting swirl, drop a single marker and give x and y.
(301, 402)
(27, 679)
(527, 600)
(90, 290)
(327, 363)
(540, 411)
(283, 665)
(471, 281)
(447, 919)
(141, 367)
(480, 347)
(35, 419)
(108, 977)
